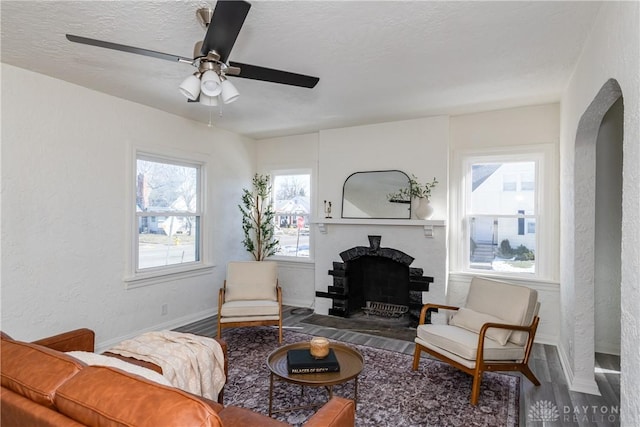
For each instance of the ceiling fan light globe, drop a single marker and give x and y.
(229, 92)
(209, 101)
(190, 87)
(210, 85)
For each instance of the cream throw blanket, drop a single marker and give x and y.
(190, 362)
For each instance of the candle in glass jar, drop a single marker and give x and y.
(319, 347)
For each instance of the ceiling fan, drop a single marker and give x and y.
(211, 57)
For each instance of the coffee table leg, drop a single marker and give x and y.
(355, 391)
(270, 393)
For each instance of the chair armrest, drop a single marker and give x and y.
(337, 412)
(220, 299)
(531, 330)
(279, 293)
(76, 340)
(433, 307)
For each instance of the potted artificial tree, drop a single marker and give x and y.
(258, 219)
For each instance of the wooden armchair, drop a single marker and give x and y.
(250, 296)
(493, 332)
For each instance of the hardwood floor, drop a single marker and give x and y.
(574, 409)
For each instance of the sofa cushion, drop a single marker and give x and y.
(250, 308)
(18, 411)
(489, 296)
(473, 321)
(36, 372)
(251, 280)
(108, 397)
(464, 343)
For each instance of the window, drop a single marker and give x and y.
(168, 213)
(292, 204)
(500, 196)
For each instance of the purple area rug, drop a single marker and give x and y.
(389, 392)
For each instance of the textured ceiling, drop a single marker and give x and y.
(377, 61)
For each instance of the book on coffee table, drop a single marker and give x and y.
(300, 361)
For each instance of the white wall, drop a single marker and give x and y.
(610, 52)
(524, 126)
(65, 157)
(537, 124)
(608, 228)
(417, 147)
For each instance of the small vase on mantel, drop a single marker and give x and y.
(423, 208)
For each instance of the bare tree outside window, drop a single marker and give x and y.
(167, 207)
(292, 202)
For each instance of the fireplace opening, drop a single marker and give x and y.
(376, 281)
(380, 285)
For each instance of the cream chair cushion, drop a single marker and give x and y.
(250, 308)
(488, 296)
(251, 280)
(473, 321)
(464, 343)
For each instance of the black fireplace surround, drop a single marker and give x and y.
(375, 274)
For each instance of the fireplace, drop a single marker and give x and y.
(378, 281)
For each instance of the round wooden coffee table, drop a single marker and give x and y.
(351, 364)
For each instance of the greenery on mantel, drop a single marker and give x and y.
(258, 219)
(415, 190)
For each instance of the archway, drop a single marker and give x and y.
(584, 253)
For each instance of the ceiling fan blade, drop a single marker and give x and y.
(275, 76)
(129, 49)
(225, 25)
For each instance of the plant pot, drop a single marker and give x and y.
(423, 208)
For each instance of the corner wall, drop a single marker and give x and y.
(611, 52)
(65, 157)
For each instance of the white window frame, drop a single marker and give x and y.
(546, 215)
(134, 277)
(297, 171)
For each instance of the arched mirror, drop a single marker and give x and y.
(366, 195)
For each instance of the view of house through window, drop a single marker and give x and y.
(168, 213)
(292, 195)
(501, 216)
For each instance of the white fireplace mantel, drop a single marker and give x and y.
(427, 224)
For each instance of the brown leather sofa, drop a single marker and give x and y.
(42, 386)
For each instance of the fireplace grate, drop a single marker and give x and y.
(384, 309)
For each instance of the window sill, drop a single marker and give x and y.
(152, 278)
(514, 277)
(292, 260)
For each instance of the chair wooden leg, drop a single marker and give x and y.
(416, 356)
(529, 374)
(475, 389)
(280, 332)
(219, 330)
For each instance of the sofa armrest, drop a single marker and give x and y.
(76, 340)
(338, 412)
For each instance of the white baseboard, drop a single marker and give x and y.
(297, 302)
(608, 349)
(171, 324)
(580, 385)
